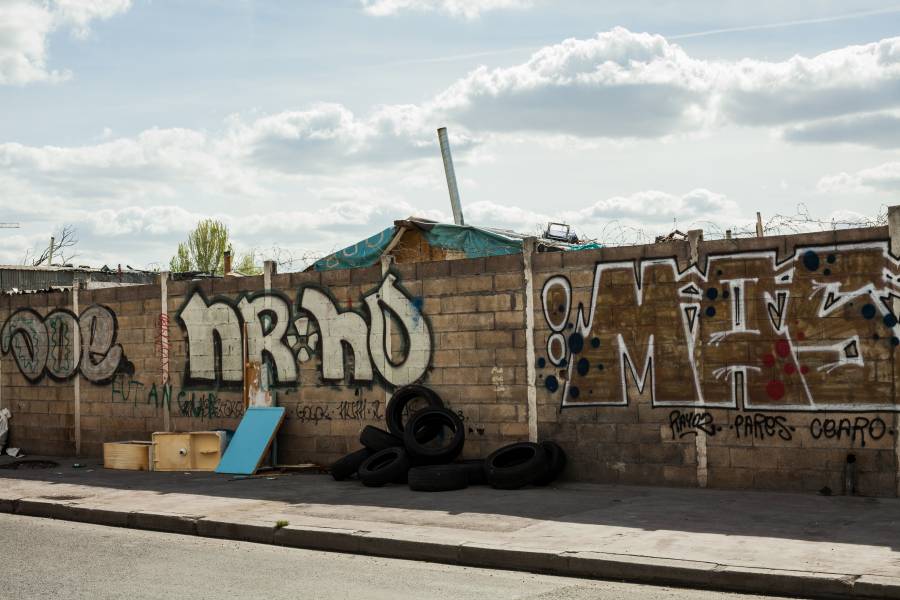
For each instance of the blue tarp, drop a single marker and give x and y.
(474, 241)
(361, 254)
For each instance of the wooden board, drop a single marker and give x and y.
(187, 451)
(131, 455)
(251, 441)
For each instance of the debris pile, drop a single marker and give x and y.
(422, 452)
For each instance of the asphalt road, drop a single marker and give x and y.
(46, 559)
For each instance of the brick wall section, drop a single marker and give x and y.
(476, 312)
(475, 309)
(773, 448)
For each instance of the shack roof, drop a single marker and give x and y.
(466, 241)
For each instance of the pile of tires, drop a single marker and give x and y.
(422, 449)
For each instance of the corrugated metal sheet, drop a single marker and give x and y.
(30, 279)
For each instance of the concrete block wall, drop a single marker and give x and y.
(753, 363)
(474, 310)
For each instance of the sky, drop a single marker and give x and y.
(306, 125)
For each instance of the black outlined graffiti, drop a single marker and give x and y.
(747, 330)
(47, 345)
(352, 344)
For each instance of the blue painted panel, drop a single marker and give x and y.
(250, 441)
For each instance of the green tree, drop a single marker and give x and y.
(203, 249)
(247, 264)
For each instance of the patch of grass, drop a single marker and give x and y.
(281, 523)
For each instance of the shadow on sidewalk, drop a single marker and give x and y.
(837, 519)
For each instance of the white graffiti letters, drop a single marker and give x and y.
(348, 343)
(336, 329)
(274, 312)
(418, 338)
(206, 324)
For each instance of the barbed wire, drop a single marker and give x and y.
(289, 260)
(617, 233)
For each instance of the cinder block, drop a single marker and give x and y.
(493, 339)
(495, 302)
(469, 266)
(474, 283)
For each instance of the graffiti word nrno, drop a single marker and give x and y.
(61, 343)
(348, 342)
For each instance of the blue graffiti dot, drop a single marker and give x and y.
(895, 341)
(712, 293)
(551, 383)
(889, 320)
(541, 363)
(571, 325)
(826, 272)
(710, 311)
(563, 363)
(583, 366)
(810, 260)
(576, 343)
(574, 391)
(595, 342)
(831, 258)
(868, 311)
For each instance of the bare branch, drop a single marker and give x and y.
(65, 240)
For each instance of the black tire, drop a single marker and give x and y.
(474, 471)
(516, 465)
(347, 466)
(393, 414)
(438, 478)
(378, 439)
(556, 463)
(419, 436)
(386, 466)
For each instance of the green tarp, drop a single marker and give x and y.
(474, 241)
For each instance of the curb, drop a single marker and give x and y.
(593, 565)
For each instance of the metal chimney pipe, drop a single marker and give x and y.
(451, 176)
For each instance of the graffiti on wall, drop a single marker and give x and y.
(813, 332)
(62, 344)
(352, 344)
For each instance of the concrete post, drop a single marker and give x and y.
(531, 374)
(894, 233)
(694, 238)
(270, 268)
(76, 383)
(387, 260)
(164, 346)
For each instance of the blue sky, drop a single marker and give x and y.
(309, 125)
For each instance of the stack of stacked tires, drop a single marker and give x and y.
(421, 451)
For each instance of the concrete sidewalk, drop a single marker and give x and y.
(774, 543)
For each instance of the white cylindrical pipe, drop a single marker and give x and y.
(451, 177)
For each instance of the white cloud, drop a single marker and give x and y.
(878, 130)
(616, 84)
(329, 136)
(468, 9)
(883, 178)
(25, 26)
(840, 82)
(622, 84)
